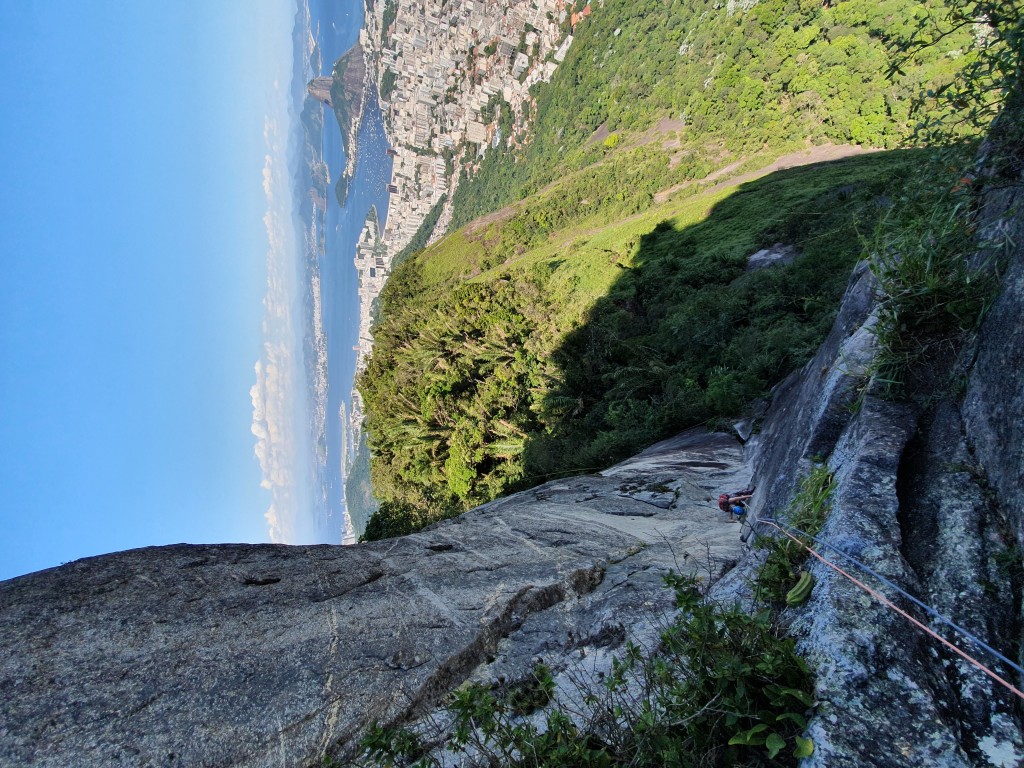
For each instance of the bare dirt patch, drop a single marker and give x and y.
(818, 154)
(671, 128)
(667, 124)
(478, 226)
(600, 134)
(665, 128)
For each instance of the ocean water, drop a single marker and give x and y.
(339, 24)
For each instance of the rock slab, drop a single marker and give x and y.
(268, 655)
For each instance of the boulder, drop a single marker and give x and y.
(768, 257)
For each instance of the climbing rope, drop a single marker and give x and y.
(923, 606)
(889, 604)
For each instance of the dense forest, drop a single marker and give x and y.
(732, 77)
(610, 304)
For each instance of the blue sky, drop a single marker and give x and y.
(134, 268)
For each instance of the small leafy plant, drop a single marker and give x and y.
(722, 689)
(780, 571)
(535, 693)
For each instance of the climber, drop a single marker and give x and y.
(735, 504)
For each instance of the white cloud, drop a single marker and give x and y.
(279, 401)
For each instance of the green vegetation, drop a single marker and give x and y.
(358, 491)
(728, 83)
(934, 291)
(341, 190)
(399, 518)
(596, 315)
(937, 275)
(990, 80)
(807, 512)
(422, 235)
(387, 83)
(390, 14)
(316, 171)
(724, 689)
(346, 91)
(558, 339)
(537, 692)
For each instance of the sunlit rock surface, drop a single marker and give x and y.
(272, 655)
(320, 89)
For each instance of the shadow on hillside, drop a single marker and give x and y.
(688, 335)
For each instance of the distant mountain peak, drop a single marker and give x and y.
(320, 89)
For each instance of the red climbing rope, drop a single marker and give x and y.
(888, 603)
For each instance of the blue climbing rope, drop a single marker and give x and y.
(923, 606)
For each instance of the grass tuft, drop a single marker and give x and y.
(936, 278)
(807, 512)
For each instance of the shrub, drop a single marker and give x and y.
(933, 294)
(806, 512)
(723, 689)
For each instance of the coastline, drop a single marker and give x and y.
(433, 143)
(315, 353)
(353, 149)
(436, 126)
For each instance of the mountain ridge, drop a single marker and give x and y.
(111, 659)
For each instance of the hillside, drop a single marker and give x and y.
(603, 301)
(725, 80)
(497, 366)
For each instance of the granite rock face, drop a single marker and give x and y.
(320, 89)
(912, 499)
(243, 655)
(812, 407)
(871, 685)
(994, 402)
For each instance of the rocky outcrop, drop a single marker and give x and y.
(913, 499)
(778, 254)
(320, 89)
(267, 655)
